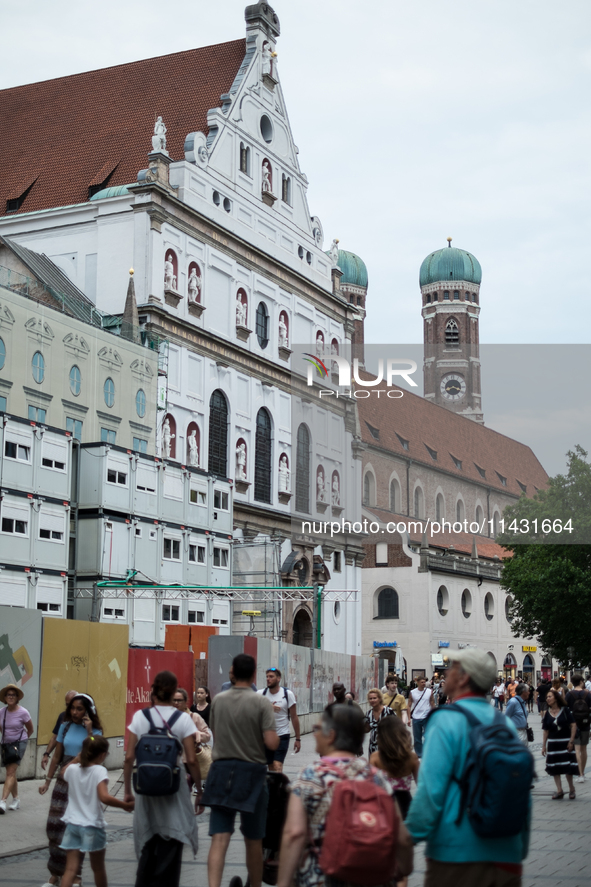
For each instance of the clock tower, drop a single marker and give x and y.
(450, 292)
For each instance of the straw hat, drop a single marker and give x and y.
(19, 692)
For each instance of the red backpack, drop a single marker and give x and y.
(361, 833)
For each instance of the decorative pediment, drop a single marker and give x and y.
(142, 369)
(76, 345)
(6, 316)
(110, 358)
(40, 329)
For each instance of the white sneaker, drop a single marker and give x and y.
(2, 806)
(15, 804)
(580, 779)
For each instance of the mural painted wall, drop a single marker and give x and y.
(20, 655)
(89, 657)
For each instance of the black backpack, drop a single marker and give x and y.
(266, 690)
(580, 709)
(157, 772)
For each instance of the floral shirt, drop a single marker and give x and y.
(314, 787)
(373, 726)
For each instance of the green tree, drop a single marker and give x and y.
(548, 572)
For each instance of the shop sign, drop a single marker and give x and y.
(443, 644)
(465, 646)
(384, 644)
(529, 649)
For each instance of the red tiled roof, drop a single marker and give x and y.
(68, 131)
(462, 542)
(424, 424)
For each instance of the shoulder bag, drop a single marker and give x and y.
(11, 751)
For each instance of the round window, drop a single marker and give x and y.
(38, 366)
(466, 604)
(75, 380)
(489, 606)
(337, 611)
(140, 403)
(442, 600)
(262, 325)
(266, 129)
(109, 392)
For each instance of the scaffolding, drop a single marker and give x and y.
(256, 563)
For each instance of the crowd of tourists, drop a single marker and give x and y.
(432, 746)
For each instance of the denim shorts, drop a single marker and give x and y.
(86, 838)
(280, 752)
(252, 825)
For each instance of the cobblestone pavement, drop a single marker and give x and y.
(558, 853)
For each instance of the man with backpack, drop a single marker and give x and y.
(343, 824)
(517, 711)
(472, 805)
(284, 708)
(579, 702)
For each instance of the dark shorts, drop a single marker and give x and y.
(280, 752)
(252, 825)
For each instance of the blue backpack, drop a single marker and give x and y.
(497, 778)
(156, 753)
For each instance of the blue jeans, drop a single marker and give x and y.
(418, 731)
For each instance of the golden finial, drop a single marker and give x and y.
(131, 272)
(449, 240)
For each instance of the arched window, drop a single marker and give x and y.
(303, 470)
(496, 518)
(456, 296)
(244, 158)
(452, 334)
(446, 296)
(395, 496)
(140, 403)
(479, 518)
(109, 392)
(286, 189)
(388, 605)
(442, 600)
(218, 434)
(418, 502)
(466, 604)
(75, 380)
(428, 298)
(38, 367)
(460, 511)
(369, 489)
(489, 606)
(262, 325)
(262, 457)
(439, 508)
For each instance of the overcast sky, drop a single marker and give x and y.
(415, 121)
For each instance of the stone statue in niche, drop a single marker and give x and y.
(241, 461)
(284, 486)
(319, 345)
(266, 169)
(193, 448)
(320, 488)
(283, 338)
(334, 251)
(336, 491)
(167, 439)
(240, 311)
(169, 275)
(159, 137)
(194, 286)
(269, 60)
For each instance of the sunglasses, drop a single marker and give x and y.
(272, 669)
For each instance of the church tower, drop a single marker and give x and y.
(450, 291)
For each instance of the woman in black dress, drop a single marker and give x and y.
(558, 744)
(203, 703)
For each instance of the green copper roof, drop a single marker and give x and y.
(115, 191)
(450, 263)
(353, 268)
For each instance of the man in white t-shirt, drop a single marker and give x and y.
(421, 703)
(284, 708)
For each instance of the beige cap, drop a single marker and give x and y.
(481, 667)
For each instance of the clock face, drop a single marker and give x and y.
(452, 387)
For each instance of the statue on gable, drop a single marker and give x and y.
(167, 438)
(159, 137)
(194, 286)
(283, 475)
(240, 311)
(336, 491)
(283, 337)
(241, 461)
(193, 448)
(266, 170)
(269, 61)
(169, 275)
(334, 251)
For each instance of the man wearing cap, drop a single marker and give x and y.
(456, 855)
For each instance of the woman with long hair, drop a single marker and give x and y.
(180, 700)
(80, 721)
(558, 743)
(202, 703)
(375, 714)
(396, 757)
